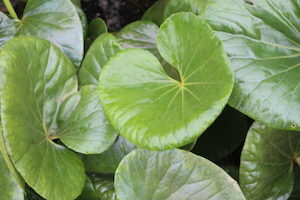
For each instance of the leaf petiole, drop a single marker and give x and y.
(10, 9)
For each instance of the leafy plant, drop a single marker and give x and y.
(91, 115)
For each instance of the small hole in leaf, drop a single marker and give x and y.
(249, 2)
(293, 125)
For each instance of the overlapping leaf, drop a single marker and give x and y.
(104, 47)
(55, 20)
(8, 28)
(155, 111)
(267, 163)
(227, 133)
(262, 40)
(108, 161)
(172, 175)
(9, 188)
(39, 104)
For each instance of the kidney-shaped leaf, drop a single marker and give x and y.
(172, 175)
(262, 40)
(267, 161)
(40, 103)
(151, 109)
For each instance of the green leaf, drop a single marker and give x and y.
(86, 129)
(108, 162)
(263, 43)
(4, 152)
(143, 34)
(267, 161)
(88, 192)
(104, 47)
(151, 109)
(7, 27)
(140, 34)
(156, 12)
(57, 21)
(37, 95)
(76, 2)
(226, 134)
(104, 187)
(162, 9)
(170, 175)
(9, 188)
(83, 19)
(96, 27)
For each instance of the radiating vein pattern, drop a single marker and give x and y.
(153, 110)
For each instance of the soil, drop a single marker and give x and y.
(116, 13)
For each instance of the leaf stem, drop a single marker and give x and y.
(10, 9)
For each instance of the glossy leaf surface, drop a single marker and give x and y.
(104, 187)
(104, 47)
(267, 162)
(155, 111)
(8, 28)
(172, 175)
(86, 129)
(55, 20)
(263, 43)
(108, 161)
(140, 34)
(39, 99)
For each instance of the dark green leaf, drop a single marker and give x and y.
(172, 175)
(267, 162)
(296, 189)
(226, 134)
(162, 9)
(88, 192)
(155, 111)
(107, 162)
(95, 29)
(104, 187)
(156, 12)
(104, 47)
